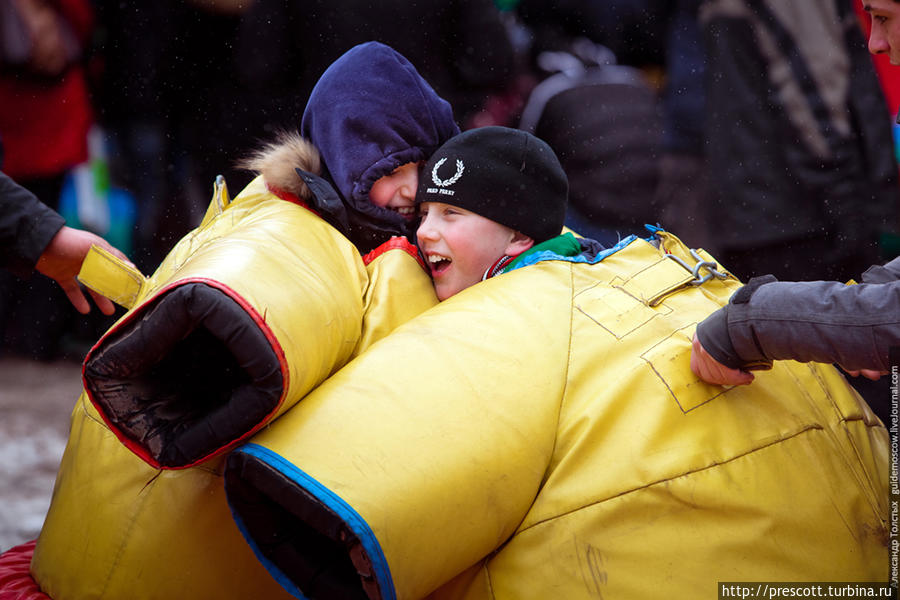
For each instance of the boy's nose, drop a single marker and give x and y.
(877, 40)
(408, 189)
(407, 193)
(426, 231)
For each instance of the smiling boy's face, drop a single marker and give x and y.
(461, 245)
(397, 191)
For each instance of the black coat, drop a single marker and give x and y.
(26, 227)
(791, 156)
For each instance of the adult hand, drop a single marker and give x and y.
(712, 371)
(62, 260)
(867, 373)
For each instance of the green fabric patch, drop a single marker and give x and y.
(561, 245)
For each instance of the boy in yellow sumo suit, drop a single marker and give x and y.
(541, 435)
(272, 293)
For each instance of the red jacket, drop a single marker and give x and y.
(44, 124)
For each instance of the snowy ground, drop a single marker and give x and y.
(36, 400)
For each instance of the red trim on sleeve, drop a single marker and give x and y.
(292, 198)
(140, 450)
(16, 582)
(395, 243)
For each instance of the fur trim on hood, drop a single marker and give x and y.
(369, 113)
(278, 160)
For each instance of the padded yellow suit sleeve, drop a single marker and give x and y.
(399, 288)
(419, 457)
(239, 302)
(247, 313)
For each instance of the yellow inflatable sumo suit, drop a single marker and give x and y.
(270, 324)
(257, 306)
(245, 316)
(540, 435)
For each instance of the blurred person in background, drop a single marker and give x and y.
(683, 197)
(598, 107)
(855, 326)
(43, 127)
(799, 140)
(43, 90)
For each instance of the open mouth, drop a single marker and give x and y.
(407, 212)
(438, 263)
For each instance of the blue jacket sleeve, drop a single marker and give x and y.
(26, 227)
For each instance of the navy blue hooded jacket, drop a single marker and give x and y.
(369, 113)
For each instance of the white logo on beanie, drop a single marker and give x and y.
(460, 167)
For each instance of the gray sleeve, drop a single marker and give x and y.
(883, 273)
(852, 325)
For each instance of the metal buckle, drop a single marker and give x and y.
(709, 265)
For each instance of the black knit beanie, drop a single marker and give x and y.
(506, 175)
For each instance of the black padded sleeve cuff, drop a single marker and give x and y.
(189, 374)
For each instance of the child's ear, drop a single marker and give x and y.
(518, 244)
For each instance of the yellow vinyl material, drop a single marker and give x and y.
(117, 528)
(303, 279)
(540, 435)
(112, 277)
(396, 292)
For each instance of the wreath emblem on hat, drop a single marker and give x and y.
(460, 167)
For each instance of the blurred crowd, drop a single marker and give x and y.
(758, 130)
